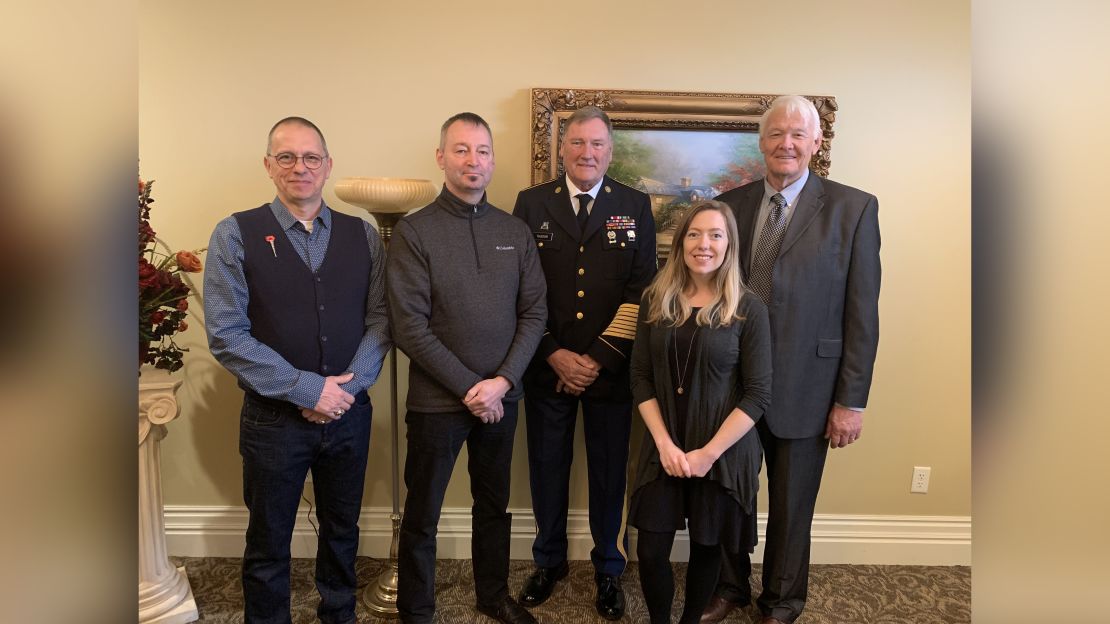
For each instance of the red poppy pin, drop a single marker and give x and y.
(270, 239)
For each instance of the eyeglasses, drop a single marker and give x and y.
(287, 160)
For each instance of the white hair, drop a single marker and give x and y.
(793, 105)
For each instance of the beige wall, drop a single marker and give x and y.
(379, 78)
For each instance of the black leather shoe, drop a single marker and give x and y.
(539, 586)
(508, 611)
(610, 597)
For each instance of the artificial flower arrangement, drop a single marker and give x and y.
(163, 295)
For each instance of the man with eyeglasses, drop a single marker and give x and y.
(295, 309)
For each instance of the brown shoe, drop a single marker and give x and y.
(718, 609)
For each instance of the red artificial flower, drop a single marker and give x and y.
(189, 262)
(162, 293)
(146, 233)
(148, 274)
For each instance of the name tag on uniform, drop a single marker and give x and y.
(544, 236)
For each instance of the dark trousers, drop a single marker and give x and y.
(434, 442)
(794, 470)
(607, 427)
(279, 447)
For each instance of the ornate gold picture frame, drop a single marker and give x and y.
(663, 121)
(664, 110)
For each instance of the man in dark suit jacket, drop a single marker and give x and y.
(810, 249)
(596, 241)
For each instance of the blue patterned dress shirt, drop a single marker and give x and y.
(229, 329)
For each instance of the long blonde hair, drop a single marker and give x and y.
(666, 301)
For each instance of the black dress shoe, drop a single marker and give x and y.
(539, 586)
(610, 597)
(507, 611)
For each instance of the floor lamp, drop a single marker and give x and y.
(387, 199)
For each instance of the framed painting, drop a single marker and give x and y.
(677, 147)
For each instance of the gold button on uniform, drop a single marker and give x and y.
(622, 244)
(579, 315)
(581, 271)
(581, 248)
(540, 244)
(581, 293)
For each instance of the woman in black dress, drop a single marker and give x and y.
(701, 377)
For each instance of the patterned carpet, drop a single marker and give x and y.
(838, 593)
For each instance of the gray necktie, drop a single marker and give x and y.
(770, 241)
(583, 214)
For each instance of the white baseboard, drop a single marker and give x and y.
(879, 540)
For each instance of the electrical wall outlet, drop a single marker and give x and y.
(920, 482)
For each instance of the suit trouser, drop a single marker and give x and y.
(794, 470)
(606, 427)
(434, 442)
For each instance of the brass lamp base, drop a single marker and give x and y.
(381, 596)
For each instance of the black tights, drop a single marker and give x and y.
(657, 579)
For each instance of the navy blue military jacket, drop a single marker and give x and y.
(594, 278)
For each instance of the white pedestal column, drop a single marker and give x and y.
(164, 593)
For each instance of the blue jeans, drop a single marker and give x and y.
(279, 447)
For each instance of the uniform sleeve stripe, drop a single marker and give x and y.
(610, 345)
(627, 312)
(624, 322)
(621, 327)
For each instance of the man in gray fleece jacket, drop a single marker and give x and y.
(467, 304)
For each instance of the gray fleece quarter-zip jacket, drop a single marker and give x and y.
(467, 299)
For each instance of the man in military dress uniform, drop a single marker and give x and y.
(596, 241)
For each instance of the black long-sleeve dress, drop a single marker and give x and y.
(728, 367)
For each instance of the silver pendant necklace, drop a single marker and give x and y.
(685, 367)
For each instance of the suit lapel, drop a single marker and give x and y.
(559, 207)
(746, 218)
(810, 202)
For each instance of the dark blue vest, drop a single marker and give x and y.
(313, 320)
